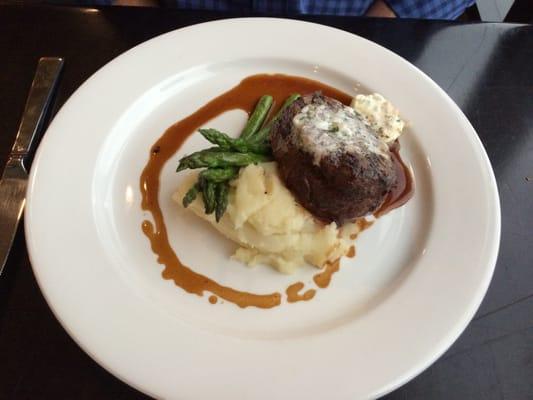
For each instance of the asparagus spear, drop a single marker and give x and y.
(258, 116)
(209, 159)
(228, 143)
(184, 162)
(219, 175)
(222, 199)
(191, 194)
(208, 192)
(262, 135)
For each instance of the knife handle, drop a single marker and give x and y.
(42, 88)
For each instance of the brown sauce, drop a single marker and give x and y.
(363, 224)
(243, 97)
(213, 299)
(196, 283)
(404, 188)
(293, 293)
(323, 278)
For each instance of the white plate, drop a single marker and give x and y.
(419, 275)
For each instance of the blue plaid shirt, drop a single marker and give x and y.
(429, 9)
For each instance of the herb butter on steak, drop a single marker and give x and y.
(332, 162)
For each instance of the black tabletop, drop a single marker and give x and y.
(486, 68)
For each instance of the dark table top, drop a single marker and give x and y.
(486, 68)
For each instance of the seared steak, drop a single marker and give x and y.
(332, 162)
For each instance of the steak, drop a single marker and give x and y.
(334, 164)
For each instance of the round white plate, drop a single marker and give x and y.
(419, 275)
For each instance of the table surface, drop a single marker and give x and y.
(486, 68)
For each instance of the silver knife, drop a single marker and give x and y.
(15, 177)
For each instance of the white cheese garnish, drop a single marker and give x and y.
(379, 113)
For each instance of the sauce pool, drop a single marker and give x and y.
(404, 188)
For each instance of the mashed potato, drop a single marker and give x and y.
(270, 226)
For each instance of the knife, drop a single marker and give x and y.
(15, 176)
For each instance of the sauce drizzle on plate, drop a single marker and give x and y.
(242, 97)
(293, 293)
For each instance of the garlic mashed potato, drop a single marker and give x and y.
(270, 226)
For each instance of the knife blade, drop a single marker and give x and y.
(15, 176)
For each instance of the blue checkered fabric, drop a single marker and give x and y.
(446, 9)
(428, 9)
